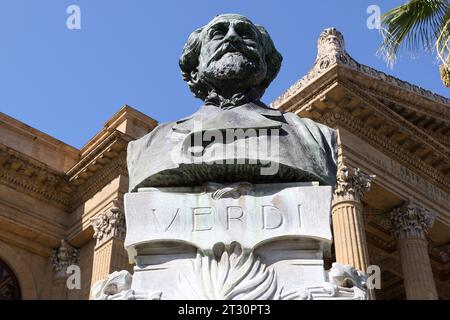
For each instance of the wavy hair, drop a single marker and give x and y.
(189, 61)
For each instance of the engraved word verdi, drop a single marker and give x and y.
(263, 213)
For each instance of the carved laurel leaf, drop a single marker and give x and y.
(326, 291)
(228, 274)
(234, 190)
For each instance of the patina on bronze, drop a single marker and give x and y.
(228, 64)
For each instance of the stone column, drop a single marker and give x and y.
(410, 224)
(348, 225)
(109, 254)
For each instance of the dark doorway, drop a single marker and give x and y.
(9, 286)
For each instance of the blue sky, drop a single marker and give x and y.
(67, 83)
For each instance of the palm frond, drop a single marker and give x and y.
(414, 25)
(443, 44)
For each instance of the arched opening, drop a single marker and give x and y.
(9, 285)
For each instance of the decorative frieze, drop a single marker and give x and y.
(63, 257)
(109, 224)
(410, 130)
(65, 190)
(351, 184)
(33, 177)
(411, 221)
(393, 150)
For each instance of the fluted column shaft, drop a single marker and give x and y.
(410, 224)
(348, 225)
(110, 256)
(349, 235)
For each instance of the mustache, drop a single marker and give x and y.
(228, 47)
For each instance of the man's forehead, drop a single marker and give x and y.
(228, 18)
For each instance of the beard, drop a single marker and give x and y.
(235, 70)
(233, 66)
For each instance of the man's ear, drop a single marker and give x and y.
(195, 85)
(194, 76)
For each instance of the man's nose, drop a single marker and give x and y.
(232, 35)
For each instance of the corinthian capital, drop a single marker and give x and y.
(110, 223)
(351, 184)
(411, 221)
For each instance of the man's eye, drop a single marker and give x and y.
(247, 34)
(217, 34)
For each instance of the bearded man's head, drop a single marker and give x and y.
(229, 61)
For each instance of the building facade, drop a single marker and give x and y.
(60, 206)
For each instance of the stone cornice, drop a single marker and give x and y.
(34, 178)
(395, 98)
(99, 167)
(65, 191)
(422, 114)
(417, 116)
(422, 153)
(124, 120)
(36, 144)
(35, 134)
(331, 53)
(441, 138)
(401, 181)
(102, 177)
(71, 176)
(356, 126)
(110, 147)
(393, 117)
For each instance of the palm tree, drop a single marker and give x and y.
(415, 25)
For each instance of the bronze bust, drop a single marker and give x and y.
(228, 64)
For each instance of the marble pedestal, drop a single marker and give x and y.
(238, 241)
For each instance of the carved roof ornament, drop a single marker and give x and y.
(109, 224)
(411, 221)
(331, 52)
(331, 49)
(351, 184)
(63, 257)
